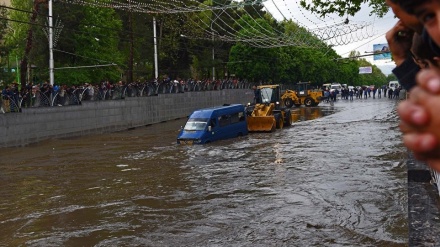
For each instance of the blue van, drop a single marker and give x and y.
(212, 124)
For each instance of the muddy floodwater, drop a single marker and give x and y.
(335, 178)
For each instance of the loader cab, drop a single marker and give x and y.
(269, 94)
(302, 88)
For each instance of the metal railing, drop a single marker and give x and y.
(74, 96)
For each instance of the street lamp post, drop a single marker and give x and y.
(213, 40)
(156, 64)
(51, 62)
(213, 54)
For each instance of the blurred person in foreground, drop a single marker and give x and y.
(420, 120)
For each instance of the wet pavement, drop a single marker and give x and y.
(335, 178)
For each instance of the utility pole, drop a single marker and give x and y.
(130, 57)
(213, 54)
(156, 68)
(213, 40)
(51, 63)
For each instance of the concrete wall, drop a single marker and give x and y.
(37, 124)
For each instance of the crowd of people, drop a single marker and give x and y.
(362, 93)
(14, 97)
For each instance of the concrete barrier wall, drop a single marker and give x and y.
(37, 124)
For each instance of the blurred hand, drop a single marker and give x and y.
(399, 41)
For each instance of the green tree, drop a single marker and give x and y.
(342, 8)
(84, 37)
(251, 62)
(94, 36)
(95, 42)
(20, 39)
(287, 64)
(376, 78)
(392, 77)
(5, 74)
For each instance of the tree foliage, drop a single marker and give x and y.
(16, 33)
(93, 44)
(392, 77)
(376, 78)
(342, 8)
(289, 64)
(5, 75)
(88, 37)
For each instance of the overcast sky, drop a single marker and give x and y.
(374, 33)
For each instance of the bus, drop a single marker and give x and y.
(212, 124)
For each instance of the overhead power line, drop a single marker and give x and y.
(332, 33)
(335, 33)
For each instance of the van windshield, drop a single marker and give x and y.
(196, 124)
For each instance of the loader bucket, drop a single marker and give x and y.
(261, 123)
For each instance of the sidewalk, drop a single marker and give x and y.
(423, 206)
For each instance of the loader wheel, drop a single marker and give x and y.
(308, 102)
(288, 102)
(287, 118)
(279, 122)
(273, 128)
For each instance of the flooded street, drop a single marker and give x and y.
(335, 178)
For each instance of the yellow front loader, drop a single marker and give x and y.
(302, 95)
(266, 114)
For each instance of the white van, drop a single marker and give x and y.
(393, 85)
(336, 86)
(326, 86)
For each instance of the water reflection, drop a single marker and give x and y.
(310, 113)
